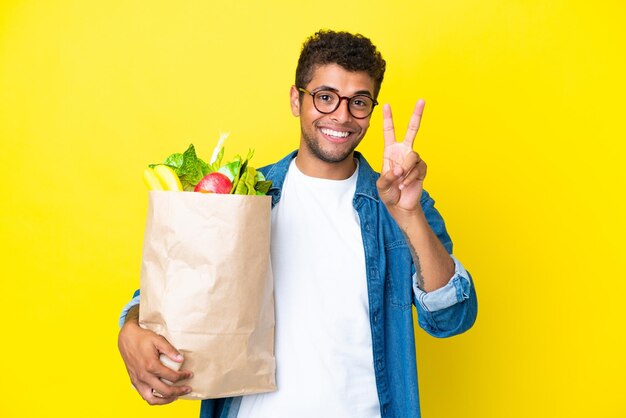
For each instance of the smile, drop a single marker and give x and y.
(334, 134)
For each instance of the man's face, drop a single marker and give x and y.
(331, 137)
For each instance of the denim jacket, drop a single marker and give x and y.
(392, 291)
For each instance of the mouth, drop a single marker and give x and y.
(336, 135)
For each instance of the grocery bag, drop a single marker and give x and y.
(207, 287)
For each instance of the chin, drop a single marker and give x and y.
(330, 156)
(333, 156)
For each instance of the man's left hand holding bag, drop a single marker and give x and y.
(140, 349)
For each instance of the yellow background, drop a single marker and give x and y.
(523, 133)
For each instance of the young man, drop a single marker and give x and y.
(351, 252)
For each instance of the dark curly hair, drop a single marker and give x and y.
(350, 51)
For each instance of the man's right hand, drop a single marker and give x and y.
(140, 349)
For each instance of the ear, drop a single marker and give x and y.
(294, 98)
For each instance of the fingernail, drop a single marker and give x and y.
(401, 186)
(179, 357)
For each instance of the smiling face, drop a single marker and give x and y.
(327, 141)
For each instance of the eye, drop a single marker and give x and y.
(325, 97)
(362, 102)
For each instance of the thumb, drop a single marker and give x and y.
(387, 185)
(164, 347)
(388, 177)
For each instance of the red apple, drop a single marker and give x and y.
(214, 183)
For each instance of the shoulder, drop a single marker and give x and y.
(278, 170)
(276, 173)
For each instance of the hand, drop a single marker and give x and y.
(140, 349)
(402, 178)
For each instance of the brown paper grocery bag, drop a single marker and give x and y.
(207, 287)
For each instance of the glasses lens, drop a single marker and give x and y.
(326, 101)
(361, 106)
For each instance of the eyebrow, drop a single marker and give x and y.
(360, 92)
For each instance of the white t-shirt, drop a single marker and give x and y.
(324, 361)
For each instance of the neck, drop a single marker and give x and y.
(314, 167)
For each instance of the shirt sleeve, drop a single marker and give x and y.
(452, 309)
(133, 302)
(455, 291)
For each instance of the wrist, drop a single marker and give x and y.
(132, 316)
(410, 219)
(129, 326)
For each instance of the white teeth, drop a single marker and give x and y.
(336, 134)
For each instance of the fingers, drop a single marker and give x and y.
(153, 396)
(413, 128)
(414, 123)
(171, 376)
(141, 349)
(172, 361)
(389, 177)
(414, 168)
(174, 366)
(387, 185)
(164, 366)
(388, 130)
(154, 390)
(168, 349)
(165, 390)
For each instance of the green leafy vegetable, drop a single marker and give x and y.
(174, 160)
(241, 187)
(188, 166)
(251, 180)
(262, 187)
(231, 170)
(191, 169)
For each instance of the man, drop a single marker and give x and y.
(351, 252)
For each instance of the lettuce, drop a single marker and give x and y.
(188, 166)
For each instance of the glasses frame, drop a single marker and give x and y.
(349, 99)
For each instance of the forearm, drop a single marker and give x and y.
(132, 315)
(130, 305)
(434, 266)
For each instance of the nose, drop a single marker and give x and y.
(342, 113)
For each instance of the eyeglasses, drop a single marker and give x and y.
(327, 101)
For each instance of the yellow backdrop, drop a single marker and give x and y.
(523, 133)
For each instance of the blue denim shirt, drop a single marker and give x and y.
(392, 291)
